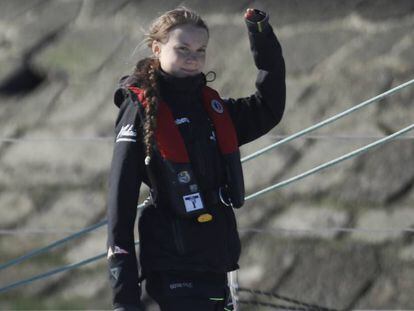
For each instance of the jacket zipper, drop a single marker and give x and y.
(178, 237)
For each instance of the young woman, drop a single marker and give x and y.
(181, 139)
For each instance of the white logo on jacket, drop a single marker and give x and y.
(182, 120)
(127, 133)
(112, 251)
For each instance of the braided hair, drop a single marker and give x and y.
(145, 74)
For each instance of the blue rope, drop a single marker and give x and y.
(54, 244)
(55, 271)
(332, 162)
(301, 133)
(279, 185)
(327, 121)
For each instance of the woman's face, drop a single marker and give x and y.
(184, 52)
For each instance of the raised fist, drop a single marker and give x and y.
(256, 20)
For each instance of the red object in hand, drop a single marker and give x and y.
(249, 13)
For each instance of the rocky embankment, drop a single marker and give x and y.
(338, 238)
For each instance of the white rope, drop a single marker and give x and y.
(111, 139)
(257, 230)
(337, 229)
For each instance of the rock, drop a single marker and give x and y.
(289, 12)
(23, 113)
(260, 271)
(374, 184)
(17, 205)
(33, 26)
(407, 253)
(379, 226)
(391, 289)
(100, 10)
(235, 39)
(52, 164)
(94, 283)
(304, 221)
(92, 245)
(321, 276)
(380, 10)
(9, 10)
(81, 51)
(73, 210)
(338, 53)
(302, 49)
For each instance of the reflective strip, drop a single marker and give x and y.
(217, 299)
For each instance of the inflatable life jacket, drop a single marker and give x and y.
(184, 193)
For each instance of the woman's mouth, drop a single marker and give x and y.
(189, 71)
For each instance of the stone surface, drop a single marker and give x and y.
(391, 289)
(302, 51)
(73, 210)
(304, 221)
(322, 277)
(379, 226)
(338, 54)
(82, 51)
(33, 24)
(16, 205)
(256, 267)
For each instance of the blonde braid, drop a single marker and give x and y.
(151, 96)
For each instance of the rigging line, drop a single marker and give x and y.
(368, 230)
(284, 183)
(272, 305)
(257, 230)
(259, 152)
(36, 231)
(278, 185)
(332, 162)
(284, 298)
(53, 245)
(342, 137)
(60, 139)
(111, 139)
(54, 271)
(327, 121)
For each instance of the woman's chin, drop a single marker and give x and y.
(188, 73)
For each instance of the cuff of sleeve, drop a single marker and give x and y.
(127, 307)
(261, 26)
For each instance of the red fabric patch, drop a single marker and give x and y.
(169, 140)
(226, 134)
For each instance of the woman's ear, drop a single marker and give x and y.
(156, 48)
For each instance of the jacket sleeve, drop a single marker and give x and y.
(125, 179)
(257, 114)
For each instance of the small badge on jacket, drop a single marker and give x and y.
(217, 106)
(193, 202)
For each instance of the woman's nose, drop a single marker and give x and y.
(192, 57)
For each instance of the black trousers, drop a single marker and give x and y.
(183, 290)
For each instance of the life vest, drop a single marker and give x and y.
(185, 195)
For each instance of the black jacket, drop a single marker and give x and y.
(168, 242)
